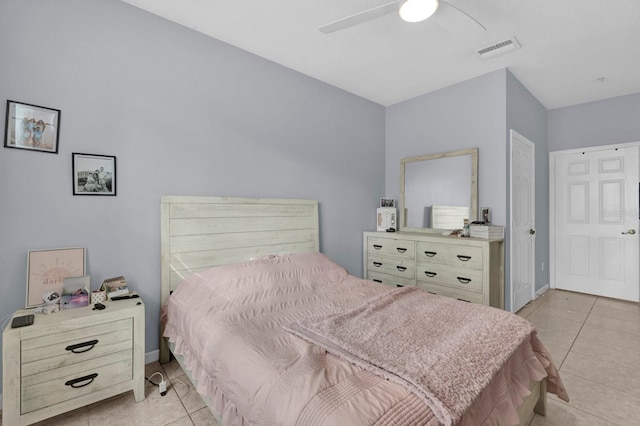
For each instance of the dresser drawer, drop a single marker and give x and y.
(77, 345)
(461, 278)
(465, 296)
(457, 255)
(391, 280)
(403, 268)
(391, 247)
(66, 383)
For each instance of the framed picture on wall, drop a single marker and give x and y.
(47, 269)
(94, 174)
(32, 127)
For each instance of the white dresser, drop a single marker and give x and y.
(468, 269)
(72, 358)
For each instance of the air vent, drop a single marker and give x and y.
(498, 48)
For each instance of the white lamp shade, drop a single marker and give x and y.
(417, 10)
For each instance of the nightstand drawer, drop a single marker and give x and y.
(62, 349)
(62, 384)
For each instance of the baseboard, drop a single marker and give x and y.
(152, 356)
(542, 290)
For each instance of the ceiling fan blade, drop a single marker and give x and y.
(360, 17)
(464, 13)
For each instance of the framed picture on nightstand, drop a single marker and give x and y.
(47, 269)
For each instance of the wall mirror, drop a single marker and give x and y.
(438, 191)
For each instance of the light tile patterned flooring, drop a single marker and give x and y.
(594, 341)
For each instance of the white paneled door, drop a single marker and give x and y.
(522, 230)
(596, 221)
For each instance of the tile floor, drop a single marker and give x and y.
(181, 406)
(594, 341)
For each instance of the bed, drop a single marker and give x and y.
(249, 273)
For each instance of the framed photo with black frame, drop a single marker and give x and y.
(94, 174)
(32, 127)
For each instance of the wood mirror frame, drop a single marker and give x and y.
(473, 196)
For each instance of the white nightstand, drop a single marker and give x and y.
(70, 359)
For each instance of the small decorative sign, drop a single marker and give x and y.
(47, 269)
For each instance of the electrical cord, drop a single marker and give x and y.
(162, 386)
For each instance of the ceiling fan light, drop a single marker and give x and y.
(417, 10)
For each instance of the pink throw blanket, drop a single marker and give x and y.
(447, 360)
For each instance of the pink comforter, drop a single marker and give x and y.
(228, 322)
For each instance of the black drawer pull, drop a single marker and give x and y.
(377, 246)
(399, 285)
(377, 264)
(401, 250)
(430, 274)
(464, 258)
(464, 280)
(90, 343)
(462, 300)
(401, 268)
(378, 281)
(432, 292)
(430, 253)
(75, 382)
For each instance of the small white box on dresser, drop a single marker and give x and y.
(492, 232)
(70, 359)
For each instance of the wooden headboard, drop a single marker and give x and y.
(200, 232)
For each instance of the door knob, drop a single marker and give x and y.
(532, 231)
(630, 232)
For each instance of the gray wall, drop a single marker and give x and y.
(466, 115)
(527, 116)
(477, 113)
(606, 122)
(183, 114)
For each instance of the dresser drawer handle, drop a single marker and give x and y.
(464, 280)
(430, 253)
(377, 246)
(431, 292)
(74, 383)
(378, 281)
(90, 343)
(464, 258)
(377, 264)
(401, 250)
(401, 268)
(462, 300)
(430, 274)
(399, 285)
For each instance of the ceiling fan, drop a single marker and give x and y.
(409, 11)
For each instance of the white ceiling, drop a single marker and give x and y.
(573, 51)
